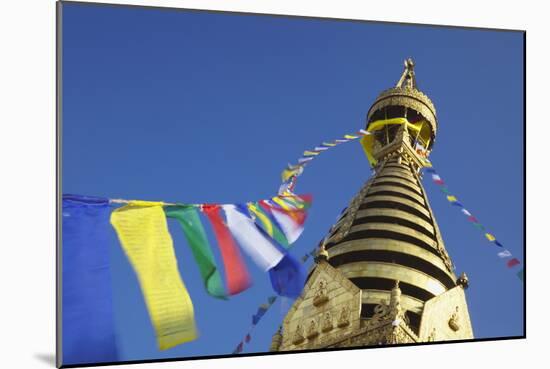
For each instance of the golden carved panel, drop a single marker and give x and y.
(446, 317)
(310, 324)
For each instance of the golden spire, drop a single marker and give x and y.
(407, 80)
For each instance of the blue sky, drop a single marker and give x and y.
(206, 107)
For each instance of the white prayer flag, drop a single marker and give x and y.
(264, 253)
(504, 254)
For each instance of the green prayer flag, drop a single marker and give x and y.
(190, 222)
(267, 224)
(445, 190)
(479, 226)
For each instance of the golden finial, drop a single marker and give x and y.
(407, 80)
(322, 253)
(463, 281)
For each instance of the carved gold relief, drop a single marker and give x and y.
(431, 337)
(343, 319)
(453, 321)
(321, 295)
(312, 329)
(298, 335)
(327, 322)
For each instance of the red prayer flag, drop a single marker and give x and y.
(473, 219)
(239, 348)
(236, 274)
(512, 262)
(247, 338)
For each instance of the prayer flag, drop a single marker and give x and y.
(319, 148)
(490, 237)
(271, 299)
(239, 348)
(456, 203)
(504, 254)
(430, 170)
(444, 189)
(190, 222)
(466, 212)
(256, 317)
(247, 338)
(254, 243)
(512, 262)
(286, 274)
(479, 226)
(268, 225)
(88, 330)
(451, 198)
(290, 221)
(304, 160)
(236, 274)
(310, 153)
(436, 177)
(143, 233)
(288, 277)
(283, 188)
(350, 137)
(328, 144)
(286, 174)
(296, 201)
(498, 243)
(340, 141)
(362, 131)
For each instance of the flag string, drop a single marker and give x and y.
(262, 309)
(292, 172)
(505, 254)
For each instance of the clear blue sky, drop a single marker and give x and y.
(203, 107)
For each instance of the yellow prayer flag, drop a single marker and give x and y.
(451, 198)
(311, 153)
(143, 233)
(281, 203)
(490, 237)
(263, 218)
(286, 174)
(350, 137)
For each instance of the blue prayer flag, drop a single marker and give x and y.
(288, 277)
(88, 334)
(256, 317)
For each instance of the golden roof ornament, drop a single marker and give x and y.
(463, 281)
(405, 95)
(322, 253)
(407, 79)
